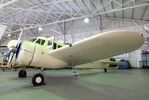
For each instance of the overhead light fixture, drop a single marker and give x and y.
(39, 28)
(86, 20)
(146, 27)
(9, 35)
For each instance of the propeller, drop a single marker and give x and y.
(13, 50)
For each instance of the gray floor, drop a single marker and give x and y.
(61, 85)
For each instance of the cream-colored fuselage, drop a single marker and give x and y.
(41, 58)
(95, 48)
(37, 55)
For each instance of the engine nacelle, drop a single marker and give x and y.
(12, 43)
(25, 52)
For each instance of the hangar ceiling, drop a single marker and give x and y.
(31, 14)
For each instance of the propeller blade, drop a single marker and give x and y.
(18, 49)
(20, 35)
(14, 50)
(19, 39)
(10, 58)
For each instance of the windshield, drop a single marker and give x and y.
(32, 40)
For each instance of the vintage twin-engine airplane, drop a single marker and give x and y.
(47, 53)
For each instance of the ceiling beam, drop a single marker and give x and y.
(83, 16)
(54, 2)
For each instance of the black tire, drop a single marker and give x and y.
(22, 73)
(38, 79)
(105, 70)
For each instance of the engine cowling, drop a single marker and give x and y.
(25, 52)
(12, 44)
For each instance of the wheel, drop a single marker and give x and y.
(105, 70)
(38, 79)
(22, 73)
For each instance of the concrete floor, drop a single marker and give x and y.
(60, 85)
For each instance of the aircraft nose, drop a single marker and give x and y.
(25, 52)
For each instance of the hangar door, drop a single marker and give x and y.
(145, 60)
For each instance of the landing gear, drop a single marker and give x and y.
(105, 70)
(22, 73)
(38, 79)
(75, 72)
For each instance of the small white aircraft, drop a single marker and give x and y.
(44, 52)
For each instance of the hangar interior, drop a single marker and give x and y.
(64, 19)
(69, 21)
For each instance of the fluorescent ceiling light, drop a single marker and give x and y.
(86, 20)
(39, 28)
(9, 34)
(146, 27)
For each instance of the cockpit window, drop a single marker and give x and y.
(59, 46)
(54, 45)
(38, 41)
(32, 40)
(42, 42)
(49, 43)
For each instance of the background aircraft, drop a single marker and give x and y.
(47, 53)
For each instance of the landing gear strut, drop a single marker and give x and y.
(38, 79)
(22, 73)
(75, 72)
(105, 70)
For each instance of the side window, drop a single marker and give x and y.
(42, 42)
(38, 41)
(54, 46)
(59, 46)
(49, 43)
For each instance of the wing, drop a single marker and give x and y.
(111, 62)
(99, 47)
(105, 63)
